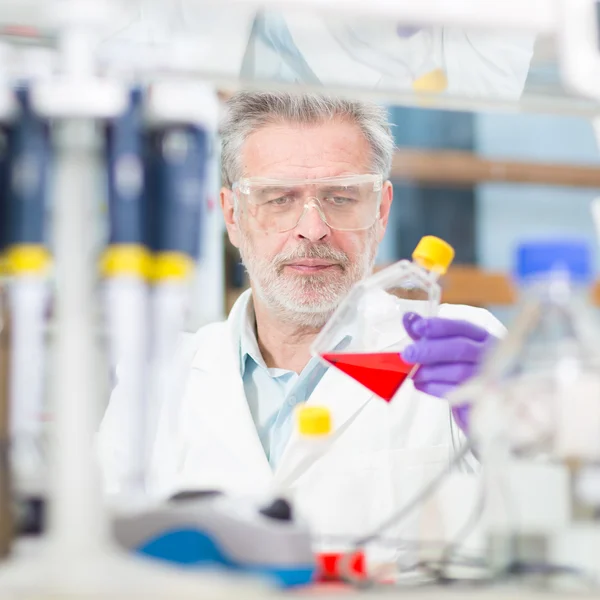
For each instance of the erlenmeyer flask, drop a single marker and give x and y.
(365, 335)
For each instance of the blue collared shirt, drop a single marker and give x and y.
(273, 394)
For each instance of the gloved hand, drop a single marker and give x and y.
(407, 32)
(449, 352)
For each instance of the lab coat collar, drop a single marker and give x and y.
(236, 320)
(248, 342)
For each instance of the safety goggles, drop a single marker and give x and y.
(346, 203)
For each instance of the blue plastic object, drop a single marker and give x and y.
(176, 171)
(190, 547)
(29, 163)
(125, 175)
(539, 258)
(203, 529)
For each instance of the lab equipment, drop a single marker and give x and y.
(6, 487)
(126, 267)
(313, 428)
(6, 517)
(365, 335)
(536, 425)
(7, 113)
(203, 529)
(78, 557)
(339, 566)
(181, 119)
(28, 148)
(551, 354)
(382, 372)
(314, 436)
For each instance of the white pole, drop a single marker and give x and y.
(76, 514)
(579, 56)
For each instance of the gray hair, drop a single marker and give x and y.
(246, 112)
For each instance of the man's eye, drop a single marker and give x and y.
(281, 201)
(340, 200)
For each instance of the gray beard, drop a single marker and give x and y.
(280, 294)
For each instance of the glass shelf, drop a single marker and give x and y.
(235, 44)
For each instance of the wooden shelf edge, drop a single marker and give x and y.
(450, 167)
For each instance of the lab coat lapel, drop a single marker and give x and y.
(216, 400)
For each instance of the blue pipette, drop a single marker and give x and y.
(125, 267)
(28, 261)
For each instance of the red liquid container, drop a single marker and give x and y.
(381, 372)
(328, 566)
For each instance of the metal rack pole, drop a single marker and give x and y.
(76, 498)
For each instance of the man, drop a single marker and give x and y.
(229, 423)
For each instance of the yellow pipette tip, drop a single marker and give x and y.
(433, 254)
(313, 420)
(22, 259)
(171, 266)
(126, 259)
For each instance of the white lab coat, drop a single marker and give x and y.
(367, 53)
(205, 438)
(344, 50)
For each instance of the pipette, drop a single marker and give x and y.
(125, 266)
(79, 558)
(180, 118)
(6, 517)
(28, 261)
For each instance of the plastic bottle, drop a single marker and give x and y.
(536, 417)
(314, 427)
(548, 364)
(365, 335)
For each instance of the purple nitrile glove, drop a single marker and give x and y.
(407, 32)
(449, 353)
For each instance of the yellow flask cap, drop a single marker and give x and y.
(434, 82)
(313, 420)
(433, 254)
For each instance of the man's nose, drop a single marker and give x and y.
(312, 224)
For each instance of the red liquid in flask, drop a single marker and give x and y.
(381, 372)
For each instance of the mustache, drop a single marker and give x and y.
(317, 251)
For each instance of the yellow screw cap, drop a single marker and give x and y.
(434, 82)
(313, 420)
(433, 254)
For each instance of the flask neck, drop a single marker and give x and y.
(433, 270)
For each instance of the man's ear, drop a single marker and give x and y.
(228, 208)
(387, 195)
